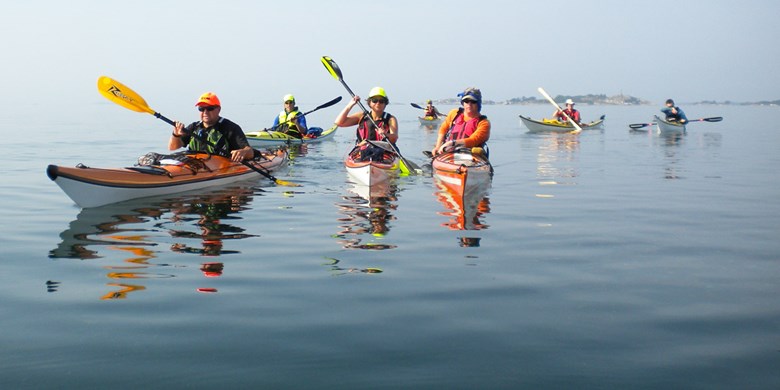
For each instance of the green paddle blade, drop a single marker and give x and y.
(332, 68)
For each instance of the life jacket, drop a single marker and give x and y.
(571, 113)
(430, 111)
(366, 129)
(670, 117)
(213, 135)
(460, 128)
(289, 128)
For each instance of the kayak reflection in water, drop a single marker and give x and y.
(212, 230)
(368, 212)
(134, 230)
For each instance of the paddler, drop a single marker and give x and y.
(290, 121)
(674, 113)
(227, 137)
(560, 115)
(386, 128)
(464, 127)
(431, 111)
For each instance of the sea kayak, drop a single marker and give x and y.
(93, 187)
(429, 120)
(271, 138)
(463, 180)
(374, 169)
(553, 125)
(666, 127)
(463, 170)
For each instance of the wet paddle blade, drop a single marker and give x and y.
(332, 68)
(122, 95)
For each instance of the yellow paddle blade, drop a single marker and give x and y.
(331, 66)
(286, 183)
(122, 95)
(404, 169)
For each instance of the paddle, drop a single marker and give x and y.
(438, 114)
(712, 119)
(127, 98)
(321, 106)
(546, 96)
(406, 166)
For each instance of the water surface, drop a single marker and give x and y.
(609, 259)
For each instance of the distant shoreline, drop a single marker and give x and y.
(617, 100)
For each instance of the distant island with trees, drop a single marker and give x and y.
(603, 99)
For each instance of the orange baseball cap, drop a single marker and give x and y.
(208, 99)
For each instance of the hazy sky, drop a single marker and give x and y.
(255, 52)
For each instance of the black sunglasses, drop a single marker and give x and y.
(378, 101)
(469, 101)
(209, 108)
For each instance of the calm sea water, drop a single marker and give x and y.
(611, 259)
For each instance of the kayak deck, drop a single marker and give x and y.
(92, 187)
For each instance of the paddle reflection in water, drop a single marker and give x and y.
(368, 211)
(337, 269)
(133, 231)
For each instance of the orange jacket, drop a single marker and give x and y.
(480, 135)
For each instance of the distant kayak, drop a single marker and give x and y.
(429, 120)
(271, 138)
(92, 187)
(552, 125)
(666, 127)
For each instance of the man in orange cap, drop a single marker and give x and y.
(213, 134)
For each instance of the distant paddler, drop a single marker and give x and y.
(574, 114)
(674, 113)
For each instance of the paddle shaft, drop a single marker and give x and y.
(436, 111)
(550, 99)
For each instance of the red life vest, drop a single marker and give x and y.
(460, 128)
(366, 130)
(573, 114)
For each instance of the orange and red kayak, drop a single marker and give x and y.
(92, 187)
(462, 170)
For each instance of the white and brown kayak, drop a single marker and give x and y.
(92, 187)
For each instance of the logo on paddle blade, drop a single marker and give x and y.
(114, 90)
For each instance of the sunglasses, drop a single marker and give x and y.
(289, 102)
(468, 101)
(209, 108)
(383, 101)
